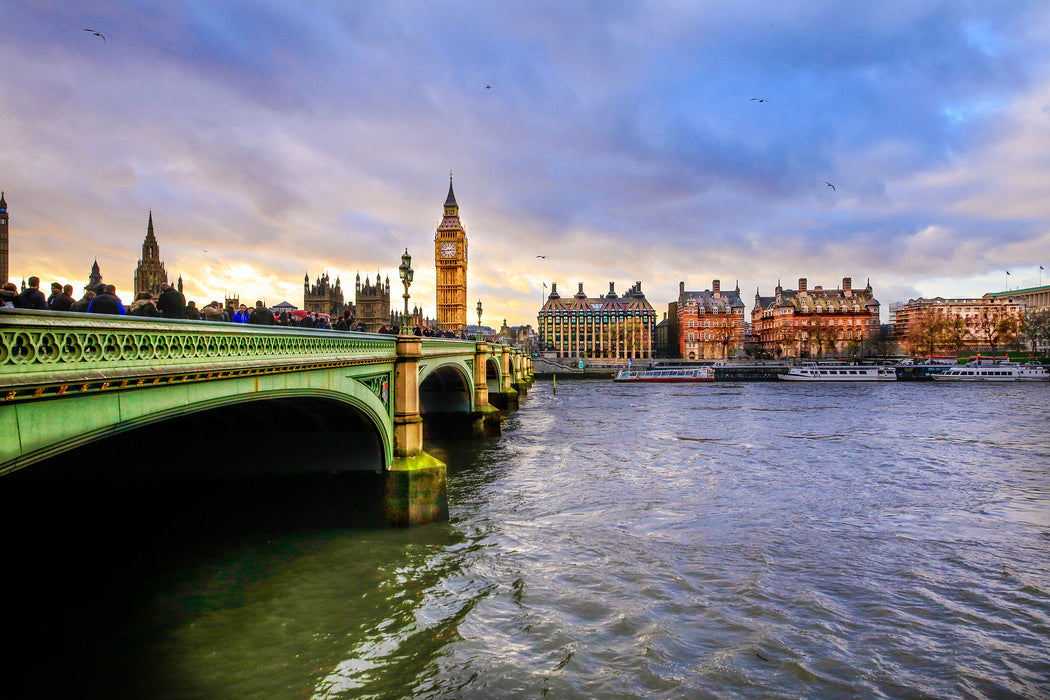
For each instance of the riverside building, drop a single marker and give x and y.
(926, 326)
(710, 323)
(814, 322)
(607, 327)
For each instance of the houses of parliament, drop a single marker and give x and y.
(371, 307)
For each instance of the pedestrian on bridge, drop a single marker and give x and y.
(260, 316)
(171, 303)
(107, 302)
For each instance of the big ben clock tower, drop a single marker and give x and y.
(450, 260)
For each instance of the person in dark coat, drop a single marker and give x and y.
(171, 303)
(143, 306)
(8, 296)
(261, 316)
(192, 314)
(107, 302)
(31, 297)
(56, 289)
(63, 301)
(81, 306)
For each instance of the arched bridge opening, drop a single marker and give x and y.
(445, 404)
(269, 463)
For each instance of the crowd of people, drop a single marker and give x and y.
(171, 303)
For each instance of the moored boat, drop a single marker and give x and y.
(997, 372)
(666, 374)
(839, 373)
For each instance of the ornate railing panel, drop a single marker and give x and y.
(49, 342)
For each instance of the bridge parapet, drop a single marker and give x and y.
(70, 346)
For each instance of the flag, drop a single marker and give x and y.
(1007, 272)
(1040, 267)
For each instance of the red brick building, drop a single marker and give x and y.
(710, 323)
(815, 322)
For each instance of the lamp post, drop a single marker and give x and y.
(405, 271)
(479, 319)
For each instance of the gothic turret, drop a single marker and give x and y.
(150, 274)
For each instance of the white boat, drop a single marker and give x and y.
(998, 372)
(666, 374)
(839, 373)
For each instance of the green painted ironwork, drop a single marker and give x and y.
(106, 374)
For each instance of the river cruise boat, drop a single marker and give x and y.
(839, 373)
(999, 372)
(666, 374)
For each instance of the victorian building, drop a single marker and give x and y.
(322, 296)
(372, 303)
(929, 326)
(609, 326)
(814, 322)
(710, 323)
(450, 261)
(150, 274)
(5, 244)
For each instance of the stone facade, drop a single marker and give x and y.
(372, 303)
(323, 297)
(711, 323)
(815, 322)
(150, 274)
(609, 326)
(928, 326)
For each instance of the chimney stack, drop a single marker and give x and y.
(715, 286)
(847, 285)
(801, 284)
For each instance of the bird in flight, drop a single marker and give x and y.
(96, 34)
(758, 99)
(488, 87)
(831, 186)
(542, 256)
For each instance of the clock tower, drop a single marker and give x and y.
(450, 261)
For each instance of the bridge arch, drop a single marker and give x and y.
(446, 387)
(92, 419)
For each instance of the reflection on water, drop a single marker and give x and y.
(734, 540)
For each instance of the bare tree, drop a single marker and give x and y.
(1036, 329)
(924, 331)
(996, 327)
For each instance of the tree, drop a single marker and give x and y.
(924, 330)
(1036, 329)
(997, 326)
(953, 332)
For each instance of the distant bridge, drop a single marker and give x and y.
(68, 380)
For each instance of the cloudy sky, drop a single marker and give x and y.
(624, 141)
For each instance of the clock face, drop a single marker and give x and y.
(448, 250)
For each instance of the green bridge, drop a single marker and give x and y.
(365, 400)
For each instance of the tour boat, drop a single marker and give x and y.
(840, 373)
(1000, 372)
(666, 374)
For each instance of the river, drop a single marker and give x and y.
(723, 540)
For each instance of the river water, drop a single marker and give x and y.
(724, 540)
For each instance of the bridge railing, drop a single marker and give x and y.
(55, 343)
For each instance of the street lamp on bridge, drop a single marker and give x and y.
(479, 320)
(405, 271)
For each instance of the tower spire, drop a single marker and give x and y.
(450, 201)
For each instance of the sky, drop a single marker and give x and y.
(905, 144)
